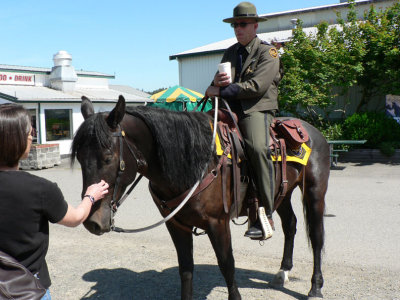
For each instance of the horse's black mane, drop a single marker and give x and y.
(183, 142)
(182, 139)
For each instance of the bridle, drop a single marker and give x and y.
(114, 204)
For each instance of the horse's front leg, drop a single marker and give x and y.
(220, 236)
(183, 241)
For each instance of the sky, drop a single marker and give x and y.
(129, 39)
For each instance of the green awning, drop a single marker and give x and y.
(178, 98)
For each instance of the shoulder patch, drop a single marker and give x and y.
(273, 52)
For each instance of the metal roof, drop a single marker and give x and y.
(12, 68)
(276, 36)
(315, 8)
(130, 90)
(44, 94)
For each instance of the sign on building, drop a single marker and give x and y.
(17, 78)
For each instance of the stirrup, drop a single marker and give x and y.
(265, 225)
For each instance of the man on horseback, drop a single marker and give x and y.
(252, 94)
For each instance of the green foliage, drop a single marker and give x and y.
(157, 90)
(365, 53)
(374, 127)
(387, 148)
(380, 34)
(308, 79)
(332, 131)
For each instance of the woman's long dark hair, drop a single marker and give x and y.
(15, 125)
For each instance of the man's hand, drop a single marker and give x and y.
(212, 91)
(221, 79)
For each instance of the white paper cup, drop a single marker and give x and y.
(225, 68)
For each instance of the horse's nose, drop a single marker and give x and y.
(95, 227)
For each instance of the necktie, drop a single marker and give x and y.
(239, 63)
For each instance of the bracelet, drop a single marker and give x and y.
(91, 198)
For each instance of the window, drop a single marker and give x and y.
(32, 113)
(58, 124)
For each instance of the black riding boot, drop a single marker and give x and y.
(256, 230)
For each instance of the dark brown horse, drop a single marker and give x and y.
(172, 150)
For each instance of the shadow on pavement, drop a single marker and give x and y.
(124, 284)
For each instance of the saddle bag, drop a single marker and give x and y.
(17, 282)
(292, 131)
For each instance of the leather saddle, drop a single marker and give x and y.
(245, 201)
(284, 134)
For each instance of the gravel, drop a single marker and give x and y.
(361, 258)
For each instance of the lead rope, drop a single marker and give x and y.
(176, 210)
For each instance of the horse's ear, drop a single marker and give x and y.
(117, 114)
(86, 107)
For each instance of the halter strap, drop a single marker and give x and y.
(120, 134)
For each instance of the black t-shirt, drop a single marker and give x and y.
(27, 204)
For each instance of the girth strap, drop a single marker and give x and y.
(236, 171)
(284, 181)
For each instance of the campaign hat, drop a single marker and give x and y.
(245, 10)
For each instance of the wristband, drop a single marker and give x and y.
(91, 198)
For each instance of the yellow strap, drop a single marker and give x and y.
(218, 147)
(301, 159)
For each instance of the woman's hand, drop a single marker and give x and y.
(97, 190)
(76, 216)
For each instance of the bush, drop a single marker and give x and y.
(379, 130)
(387, 148)
(332, 131)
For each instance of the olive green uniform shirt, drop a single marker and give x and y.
(257, 86)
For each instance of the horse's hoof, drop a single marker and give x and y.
(317, 295)
(281, 278)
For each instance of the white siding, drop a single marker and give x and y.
(91, 82)
(197, 72)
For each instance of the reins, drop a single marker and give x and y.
(115, 204)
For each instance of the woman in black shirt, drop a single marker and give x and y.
(29, 202)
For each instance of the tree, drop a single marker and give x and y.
(314, 65)
(380, 33)
(324, 64)
(156, 90)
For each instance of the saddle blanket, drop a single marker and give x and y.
(300, 156)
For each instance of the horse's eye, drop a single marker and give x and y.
(108, 158)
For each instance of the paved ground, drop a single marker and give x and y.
(361, 259)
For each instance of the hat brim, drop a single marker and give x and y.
(232, 20)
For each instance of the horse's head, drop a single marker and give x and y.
(100, 149)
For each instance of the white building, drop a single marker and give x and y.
(197, 66)
(53, 97)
